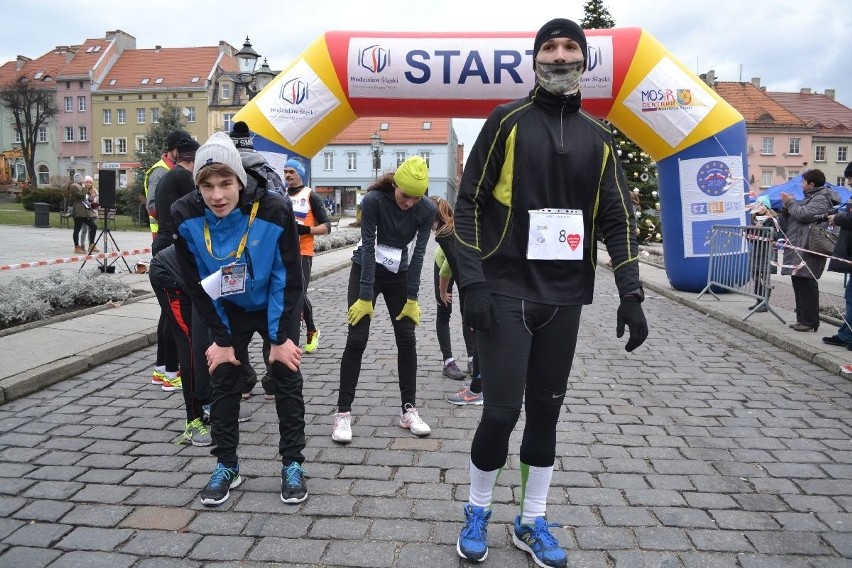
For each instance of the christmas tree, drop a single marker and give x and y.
(639, 169)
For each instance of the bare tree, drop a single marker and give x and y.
(32, 106)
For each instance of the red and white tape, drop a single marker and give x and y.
(73, 259)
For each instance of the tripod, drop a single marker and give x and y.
(105, 234)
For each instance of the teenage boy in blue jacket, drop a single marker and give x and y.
(239, 250)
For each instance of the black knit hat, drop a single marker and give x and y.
(175, 137)
(847, 173)
(560, 27)
(186, 148)
(241, 135)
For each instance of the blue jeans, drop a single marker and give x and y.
(845, 333)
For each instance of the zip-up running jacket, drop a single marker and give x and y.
(540, 152)
(271, 255)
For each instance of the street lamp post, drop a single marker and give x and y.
(253, 81)
(377, 147)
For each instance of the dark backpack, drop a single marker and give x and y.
(268, 178)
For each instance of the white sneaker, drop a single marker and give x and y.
(342, 431)
(412, 421)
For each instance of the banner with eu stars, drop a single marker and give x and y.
(712, 193)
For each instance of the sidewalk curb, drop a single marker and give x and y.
(795, 348)
(33, 380)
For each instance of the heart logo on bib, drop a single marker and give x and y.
(573, 240)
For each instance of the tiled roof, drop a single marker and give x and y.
(48, 65)
(399, 131)
(85, 57)
(756, 106)
(164, 68)
(818, 111)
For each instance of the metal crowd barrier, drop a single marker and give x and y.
(741, 261)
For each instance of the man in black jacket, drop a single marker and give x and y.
(541, 185)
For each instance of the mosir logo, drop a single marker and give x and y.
(374, 58)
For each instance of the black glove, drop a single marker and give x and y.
(480, 311)
(303, 229)
(630, 313)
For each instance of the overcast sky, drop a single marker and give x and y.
(788, 44)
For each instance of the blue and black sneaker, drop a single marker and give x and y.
(293, 488)
(221, 482)
(538, 541)
(473, 540)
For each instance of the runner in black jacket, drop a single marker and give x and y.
(541, 185)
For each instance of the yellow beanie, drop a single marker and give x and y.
(412, 176)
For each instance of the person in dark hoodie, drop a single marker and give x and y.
(238, 252)
(803, 267)
(541, 185)
(842, 262)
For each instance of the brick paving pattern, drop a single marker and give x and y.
(705, 448)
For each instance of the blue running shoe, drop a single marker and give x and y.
(473, 540)
(221, 482)
(293, 487)
(538, 541)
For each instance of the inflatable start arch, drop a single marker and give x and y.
(696, 138)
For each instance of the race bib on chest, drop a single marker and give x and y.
(556, 234)
(389, 257)
(233, 279)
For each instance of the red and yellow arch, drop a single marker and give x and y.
(696, 138)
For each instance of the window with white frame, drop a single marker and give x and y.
(228, 121)
(190, 115)
(140, 116)
(226, 90)
(351, 161)
(121, 145)
(766, 178)
(842, 153)
(426, 155)
(841, 181)
(140, 144)
(121, 177)
(768, 145)
(42, 133)
(795, 146)
(84, 134)
(819, 153)
(155, 115)
(18, 137)
(69, 104)
(106, 145)
(122, 116)
(792, 174)
(328, 161)
(400, 157)
(107, 116)
(43, 175)
(82, 104)
(69, 133)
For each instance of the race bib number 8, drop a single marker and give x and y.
(556, 234)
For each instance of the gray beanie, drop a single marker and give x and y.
(219, 149)
(78, 178)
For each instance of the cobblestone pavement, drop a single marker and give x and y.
(705, 448)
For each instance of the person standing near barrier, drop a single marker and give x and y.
(803, 267)
(539, 163)
(842, 262)
(393, 213)
(762, 251)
